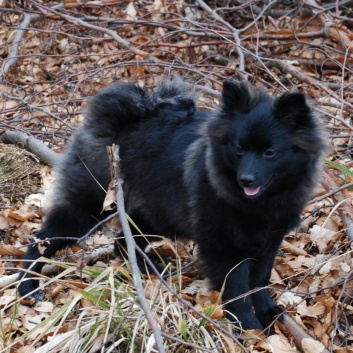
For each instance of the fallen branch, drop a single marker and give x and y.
(131, 248)
(35, 146)
(7, 280)
(303, 340)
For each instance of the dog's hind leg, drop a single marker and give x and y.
(62, 222)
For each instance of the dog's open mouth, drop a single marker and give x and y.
(252, 191)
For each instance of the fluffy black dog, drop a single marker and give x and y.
(235, 180)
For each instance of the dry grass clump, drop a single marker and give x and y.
(105, 316)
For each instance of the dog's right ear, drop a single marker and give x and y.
(239, 96)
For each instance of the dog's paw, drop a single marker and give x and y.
(244, 322)
(30, 291)
(267, 317)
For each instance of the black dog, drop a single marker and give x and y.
(235, 180)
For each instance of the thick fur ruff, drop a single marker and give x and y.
(234, 180)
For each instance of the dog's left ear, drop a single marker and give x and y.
(293, 108)
(239, 96)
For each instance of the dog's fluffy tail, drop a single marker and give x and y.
(123, 103)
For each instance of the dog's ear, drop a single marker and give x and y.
(239, 96)
(294, 109)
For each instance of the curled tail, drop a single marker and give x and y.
(123, 103)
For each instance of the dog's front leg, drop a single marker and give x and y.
(266, 310)
(229, 273)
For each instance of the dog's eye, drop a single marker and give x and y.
(238, 150)
(269, 153)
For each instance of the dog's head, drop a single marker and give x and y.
(260, 144)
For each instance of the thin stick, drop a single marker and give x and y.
(35, 107)
(126, 44)
(345, 211)
(319, 198)
(131, 249)
(20, 33)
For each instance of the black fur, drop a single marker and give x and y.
(235, 180)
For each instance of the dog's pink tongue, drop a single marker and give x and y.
(251, 191)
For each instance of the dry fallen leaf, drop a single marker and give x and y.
(310, 345)
(321, 237)
(278, 344)
(11, 250)
(110, 198)
(288, 299)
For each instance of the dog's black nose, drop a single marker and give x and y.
(246, 180)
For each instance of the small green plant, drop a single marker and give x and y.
(340, 167)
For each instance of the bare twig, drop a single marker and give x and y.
(234, 32)
(131, 249)
(302, 76)
(259, 15)
(186, 344)
(126, 44)
(345, 211)
(84, 237)
(319, 198)
(32, 107)
(13, 53)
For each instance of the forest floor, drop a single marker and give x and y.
(55, 55)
